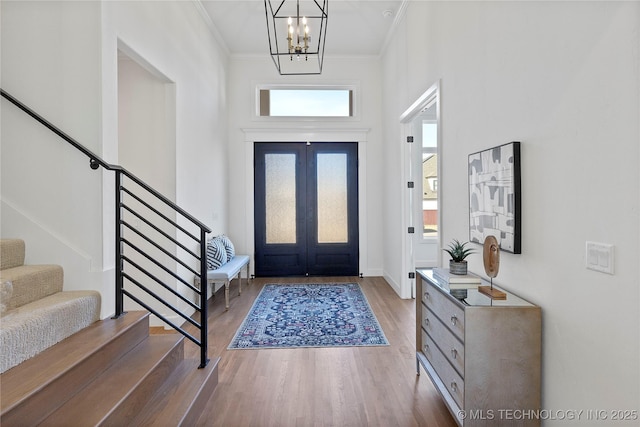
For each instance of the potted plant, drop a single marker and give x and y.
(458, 252)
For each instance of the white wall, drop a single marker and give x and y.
(60, 58)
(247, 72)
(48, 191)
(562, 78)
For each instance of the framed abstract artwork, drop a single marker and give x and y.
(494, 196)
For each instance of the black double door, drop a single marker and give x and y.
(306, 209)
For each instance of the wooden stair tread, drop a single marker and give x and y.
(124, 387)
(36, 374)
(183, 396)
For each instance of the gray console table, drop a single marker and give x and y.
(483, 355)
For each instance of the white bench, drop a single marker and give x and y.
(226, 273)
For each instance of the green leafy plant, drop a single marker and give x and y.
(458, 251)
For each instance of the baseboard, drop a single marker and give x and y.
(373, 272)
(394, 285)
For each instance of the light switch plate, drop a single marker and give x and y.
(599, 257)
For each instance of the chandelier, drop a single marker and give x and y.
(297, 31)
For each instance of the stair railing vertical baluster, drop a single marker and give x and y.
(118, 243)
(203, 299)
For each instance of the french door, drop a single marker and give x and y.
(306, 209)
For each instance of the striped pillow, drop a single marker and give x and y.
(228, 246)
(216, 254)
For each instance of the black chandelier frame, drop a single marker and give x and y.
(311, 60)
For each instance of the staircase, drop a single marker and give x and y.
(112, 372)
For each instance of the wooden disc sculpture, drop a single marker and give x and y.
(491, 256)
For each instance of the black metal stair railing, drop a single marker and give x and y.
(153, 237)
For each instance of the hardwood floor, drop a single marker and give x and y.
(354, 386)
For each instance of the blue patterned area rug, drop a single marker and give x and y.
(309, 315)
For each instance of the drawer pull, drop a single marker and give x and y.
(426, 348)
(454, 320)
(454, 353)
(454, 386)
(427, 295)
(427, 323)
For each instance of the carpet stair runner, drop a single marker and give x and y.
(35, 311)
(109, 373)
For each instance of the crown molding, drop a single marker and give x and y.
(209, 23)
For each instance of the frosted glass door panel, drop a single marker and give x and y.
(280, 182)
(332, 198)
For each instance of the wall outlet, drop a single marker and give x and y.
(600, 257)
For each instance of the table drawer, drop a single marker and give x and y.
(446, 310)
(449, 377)
(451, 347)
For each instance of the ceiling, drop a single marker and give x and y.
(354, 27)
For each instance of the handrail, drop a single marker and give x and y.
(122, 260)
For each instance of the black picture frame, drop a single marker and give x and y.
(494, 196)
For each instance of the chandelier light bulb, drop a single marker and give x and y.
(290, 36)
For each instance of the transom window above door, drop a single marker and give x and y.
(306, 102)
